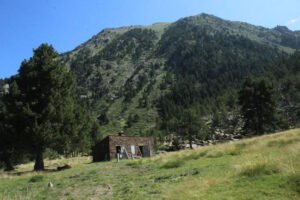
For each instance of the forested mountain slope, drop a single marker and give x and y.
(132, 76)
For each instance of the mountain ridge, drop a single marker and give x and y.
(123, 72)
(278, 28)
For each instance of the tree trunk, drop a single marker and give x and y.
(39, 161)
(8, 164)
(191, 141)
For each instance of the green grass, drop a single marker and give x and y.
(175, 163)
(257, 168)
(295, 180)
(37, 178)
(282, 143)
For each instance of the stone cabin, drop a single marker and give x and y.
(124, 147)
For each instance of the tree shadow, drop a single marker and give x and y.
(21, 173)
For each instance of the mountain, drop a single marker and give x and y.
(128, 77)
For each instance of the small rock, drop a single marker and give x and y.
(50, 185)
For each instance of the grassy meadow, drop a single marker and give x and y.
(266, 167)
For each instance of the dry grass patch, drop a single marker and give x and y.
(283, 142)
(222, 171)
(259, 168)
(193, 188)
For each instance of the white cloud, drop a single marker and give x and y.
(294, 20)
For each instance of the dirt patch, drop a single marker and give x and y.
(89, 192)
(104, 191)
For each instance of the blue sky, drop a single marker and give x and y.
(67, 23)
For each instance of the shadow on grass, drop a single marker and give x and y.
(173, 164)
(282, 142)
(16, 173)
(295, 181)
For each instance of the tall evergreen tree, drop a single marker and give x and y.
(184, 122)
(47, 90)
(11, 146)
(6, 139)
(189, 125)
(257, 106)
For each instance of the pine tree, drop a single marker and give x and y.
(189, 125)
(11, 146)
(186, 123)
(6, 139)
(47, 91)
(257, 106)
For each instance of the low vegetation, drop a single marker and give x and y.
(265, 167)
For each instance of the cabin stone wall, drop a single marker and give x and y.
(128, 142)
(135, 147)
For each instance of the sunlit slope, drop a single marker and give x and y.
(266, 167)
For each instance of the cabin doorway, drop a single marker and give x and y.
(121, 152)
(144, 151)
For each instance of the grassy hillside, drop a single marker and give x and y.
(266, 167)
